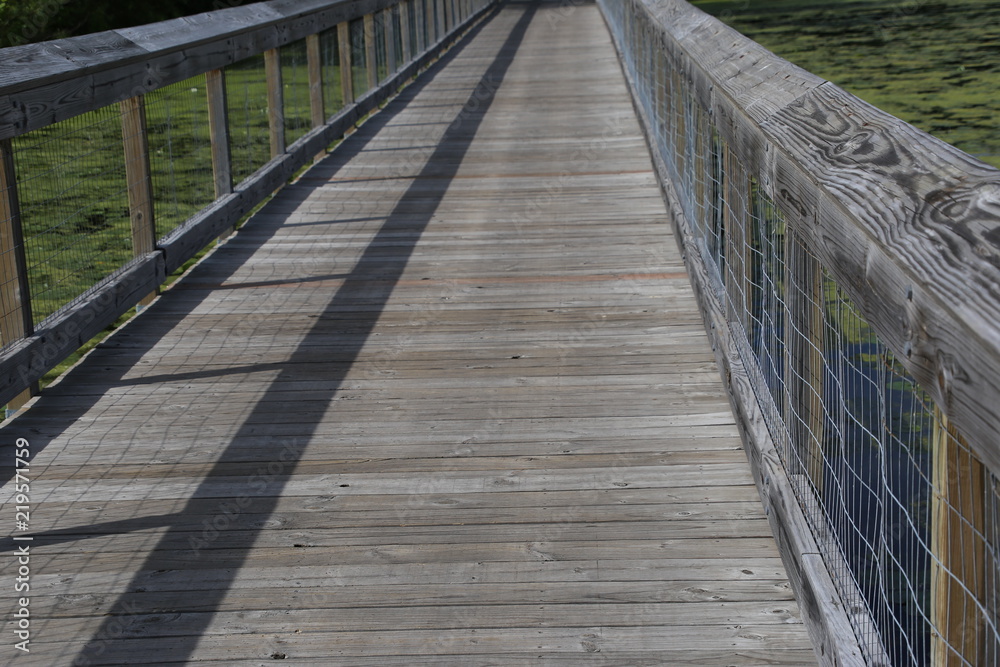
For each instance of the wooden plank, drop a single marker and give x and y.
(405, 31)
(389, 33)
(371, 60)
(218, 130)
(139, 180)
(275, 102)
(315, 66)
(346, 66)
(15, 294)
(428, 398)
(115, 65)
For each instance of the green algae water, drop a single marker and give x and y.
(936, 65)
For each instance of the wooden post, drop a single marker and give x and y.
(346, 68)
(135, 140)
(438, 20)
(389, 33)
(804, 301)
(421, 17)
(314, 60)
(958, 565)
(314, 64)
(275, 101)
(404, 29)
(218, 129)
(15, 295)
(371, 65)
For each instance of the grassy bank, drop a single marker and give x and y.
(933, 64)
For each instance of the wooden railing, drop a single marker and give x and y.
(89, 84)
(849, 268)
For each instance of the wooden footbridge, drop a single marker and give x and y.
(447, 396)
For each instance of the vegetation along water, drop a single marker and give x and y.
(934, 64)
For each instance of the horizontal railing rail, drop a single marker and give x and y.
(124, 153)
(849, 267)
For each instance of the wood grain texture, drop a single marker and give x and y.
(443, 400)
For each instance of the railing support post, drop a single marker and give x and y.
(371, 65)
(275, 101)
(140, 185)
(389, 34)
(314, 63)
(218, 129)
(15, 295)
(804, 300)
(958, 562)
(346, 68)
(404, 29)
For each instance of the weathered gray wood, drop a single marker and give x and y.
(346, 75)
(218, 130)
(389, 33)
(275, 102)
(315, 66)
(371, 61)
(476, 387)
(404, 27)
(140, 184)
(15, 294)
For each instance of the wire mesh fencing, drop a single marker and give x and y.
(74, 207)
(904, 513)
(180, 151)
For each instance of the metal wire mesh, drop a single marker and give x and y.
(180, 152)
(333, 93)
(295, 85)
(907, 518)
(74, 207)
(359, 58)
(246, 91)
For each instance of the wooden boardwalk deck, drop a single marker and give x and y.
(445, 400)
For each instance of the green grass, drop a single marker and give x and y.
(934, 64)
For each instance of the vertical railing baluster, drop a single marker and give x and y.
(389, 35)
(135, 140)
(371, 65)
(218, 129)
(314, 64)
(346, 67)
(275, 102)
(15, 295)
